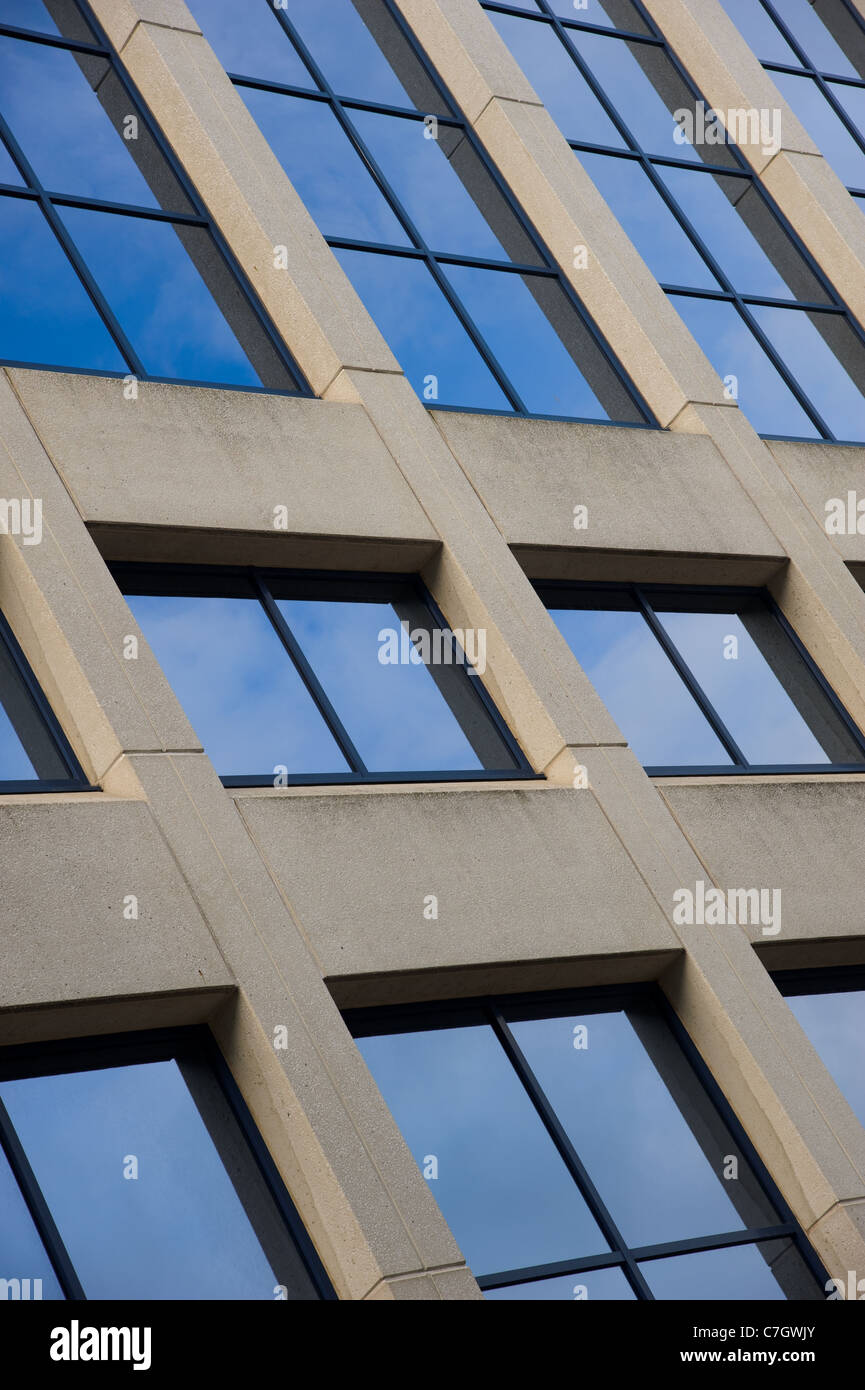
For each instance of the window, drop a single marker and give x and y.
(830, 1006)
(34, 753)
(705, 680)
(816, 56)
(130, 1169)
(578, 1148)
(460, 286)
(108, 262)
(754, 299)
(305, 678)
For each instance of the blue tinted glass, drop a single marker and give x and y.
(739, 1272)
(237, 684)
(22, 1254)
(632, 76)
(826, 129)
(61, 126)
(345, 50)
(428, 188)
(811, 34)
(27, 14)
(762, 36)
(423, 332)
(835, 1024)
(760, 686)
(27, 748)
(47, 315)
(596, 1284)
(653, 228)
(15, 766)
(524, 341)
(248, 40)
(709, 202)
(324, 167)
(853, 101)
(178, 1230)
(558, 81)
(640, 687)
(8, 171)
(805, 344)
(394, 711)
(734, 352)
(151, 283)
(657, 1180)
(624, 16)
(502, 1187)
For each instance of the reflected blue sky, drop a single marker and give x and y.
(763, 37)
(826, 129)
(835, 1024)
(27, 14)
(178, 1231)
(47, 315)
(805, 25)
(237, 685)
(501, 1185)
(739, 1272)
(640, 688)
(22, 1254)
(607, 1284)
(14, 763)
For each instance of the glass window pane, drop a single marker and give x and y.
(249, 40)
(735, 223)
(64, 129)
(27, 749)
(176, 1231)
(820, 351)
(853, 101)
(652, 226)
(634, 75)
(150, 275)
(811, 33)
(764, 693)
(47, 315)
(835, 1024)
(8, 170)
(237, 684)
(734, 352)
(345, 50)
(618, 14)
(422, 330)
(640, 687)
(642, 1125)
(826, 129)
(28, 14)
(396, 710)
(762, 36)
(502, 1187)
(739, 1272)
(22, 1254)
(596, 1284)
(558, 81)
(324, 167)
(428, 187)
(508, 310)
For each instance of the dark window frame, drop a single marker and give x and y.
(641, 594)
(636, 153)
(163, 579)
(377, 1020)
(76, 781)
(35, 192)
(193, 1042)
(420, 250)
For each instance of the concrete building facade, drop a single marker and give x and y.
(279, 907)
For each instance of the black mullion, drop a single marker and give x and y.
(783, 371)
(72, 253)
(308, 676)
(447, 257)
(500, 377)
(666, 159)
(37, 695)
(586, 25)
(568, 1153)
(12, 31)
(38, 1208)
(667, 1250)
(157, 214)
(771, 65)
(380, 108)
(761, 300)
(696, 690)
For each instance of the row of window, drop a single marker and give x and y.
(109, 262)
(304, 677)
(575, 1143)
